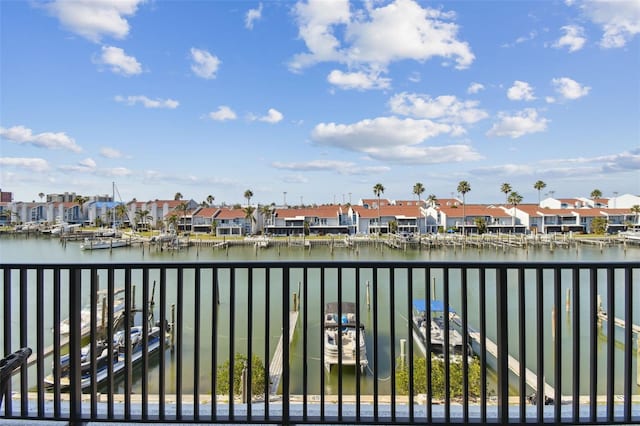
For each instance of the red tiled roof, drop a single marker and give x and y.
(230, 214)
(206, 212)
(331, 211)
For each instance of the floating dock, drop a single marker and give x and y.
(275, 366)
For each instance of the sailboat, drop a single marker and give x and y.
(108, 238)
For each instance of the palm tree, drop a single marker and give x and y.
(121, 211)
(248, 194)
(418, 189)
(596, 193)
(210, 199)
(463, 188)
(248, 215)
(539, 185)
(182, 208)
(142, 216)
(377, 190)
(266, 212)
(635, 209)
(81, 200)
(514, 199)
(172, 222)
(178, 196)
(506, 189)
(432, 200)
(41, 195)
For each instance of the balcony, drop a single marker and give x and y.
(511, 329)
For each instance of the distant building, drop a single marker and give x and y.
(67, 197)
(6, 197)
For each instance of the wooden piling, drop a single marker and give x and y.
(567, 303)
(368, 297)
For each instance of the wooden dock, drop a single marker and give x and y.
(492, 351)
(275, 366)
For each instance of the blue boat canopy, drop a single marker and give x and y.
(436, 305)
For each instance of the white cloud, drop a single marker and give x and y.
(372, 37)
(573, 38)
(569, 89)
(520, 91)
(253, 15)
(31, 164)
(446, 108)
(273, 116)
(24, 135)
(88, 163)
(110, 153)
(392, 139)
(619, 20)
(147, 102)
(358, 80)
(475, 88)
(205, 64)
(223, 113)
(522, 123)
(340, 167)
(119, 62)
(94, 19)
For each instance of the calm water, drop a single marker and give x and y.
(43, 250)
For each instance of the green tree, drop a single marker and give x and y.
(505, 188)
(463, 188)
(378, 190)
(182, 209)
(178, 196)
(41, 195)
(481, 224)
(432, 200)
(393, 227)
(249, 215)
(514, 199)
(598, 225)
(248, 194)
(120, 212)
(539, 186)
(210, 199)
(239, 361)
(596, 193)
(265, 211)
(418, 189)
(635, 209)
(142, 216)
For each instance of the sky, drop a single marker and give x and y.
(317, 101)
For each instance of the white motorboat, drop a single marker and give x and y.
(344, 339)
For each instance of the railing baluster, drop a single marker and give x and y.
(147, 312)
(483, 344)
(232, 336)
(409, 360)
(540, 385)
(465, 346)
(521, 346)
(24, 377)
(128, 324)
(196, 343)
(286, 366)
(6, 400)
(267, 310)
(75, 378)
(628, 341)
(248, 391)
(340, 348)
(179, 334)
(576, 344)
(427, 304)
(593, 340)
(40, 339)
(446, 348)
(376, 412)
(358, 332)
(502, 317)
(110, 346)
(392, 340)
(611, 340)
(557, 297)
(305, 343)
(163, 323)
(93, 294)
(56, 343)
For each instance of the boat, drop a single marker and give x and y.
(434, 327)
(343, 335)
(114, 351)
(101, 312)
(103, 243)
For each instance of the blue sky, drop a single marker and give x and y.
(319, 99)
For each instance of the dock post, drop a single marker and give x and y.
(567, 303)
(173, 326)
(368, 297)
(403, 345)
(553, 323)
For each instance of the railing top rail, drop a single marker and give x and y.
(335, 263)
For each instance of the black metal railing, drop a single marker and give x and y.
(238, 342)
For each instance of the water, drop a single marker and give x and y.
(45, 250)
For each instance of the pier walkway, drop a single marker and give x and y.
(275, 366)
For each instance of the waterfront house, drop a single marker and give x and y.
(320, 220)
(374, 220)
(233, 222)
(202, 219)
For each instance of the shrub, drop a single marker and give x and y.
(257, 375)
(437, 378)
